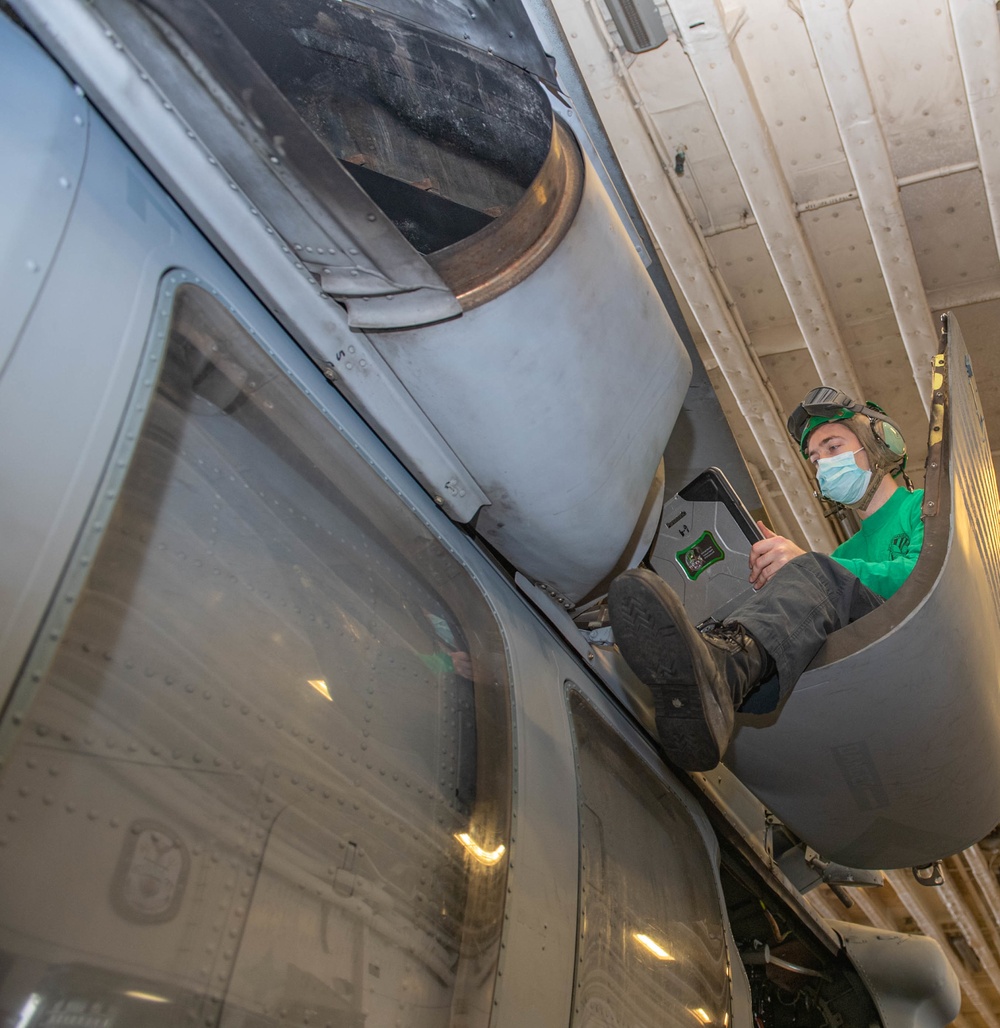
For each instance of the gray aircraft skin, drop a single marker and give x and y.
(299, 491)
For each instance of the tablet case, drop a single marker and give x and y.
(702, 548)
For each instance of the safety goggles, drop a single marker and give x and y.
(823, 404)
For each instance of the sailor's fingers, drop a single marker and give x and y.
(756, 549)
(769, 556)
(765, 546)
(462, 663)
(758, 575)
(763, 569)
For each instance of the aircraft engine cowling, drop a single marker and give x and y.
(442, 210)
(559, 392)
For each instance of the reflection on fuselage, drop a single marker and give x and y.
(247, 734)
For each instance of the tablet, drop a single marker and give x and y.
(702, 547)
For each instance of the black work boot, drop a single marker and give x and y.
(697, 678)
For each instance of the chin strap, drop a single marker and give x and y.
(878, 473)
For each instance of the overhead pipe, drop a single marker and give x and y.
(674, 227)
(932, 174)
(805, 206)
(703, 33)
(831, 33)
(977, 36)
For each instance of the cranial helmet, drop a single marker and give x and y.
(878, 434)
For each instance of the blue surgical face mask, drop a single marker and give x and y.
(840, 478)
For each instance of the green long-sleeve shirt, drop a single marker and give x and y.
(883, 553)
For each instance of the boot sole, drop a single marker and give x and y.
(659, 643)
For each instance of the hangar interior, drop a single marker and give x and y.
(822, 181)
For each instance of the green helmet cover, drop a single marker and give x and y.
(821, 419)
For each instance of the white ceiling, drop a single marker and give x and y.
(840, 162)
(766, 213)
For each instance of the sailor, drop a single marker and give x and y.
(700, 675)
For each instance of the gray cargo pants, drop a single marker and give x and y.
(791, 616)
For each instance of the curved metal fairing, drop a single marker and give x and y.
(887, 752)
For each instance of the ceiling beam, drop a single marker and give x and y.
(831, 33)
(980, 897)
(977, 36)
(967, 925)
(986, 880)
(822, 906)
(648, 165)
(877, 917)
(726, 86)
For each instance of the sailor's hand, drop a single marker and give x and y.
(462, 663)
(769, 555)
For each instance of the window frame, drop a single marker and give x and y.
(381, 465)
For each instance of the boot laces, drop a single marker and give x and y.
(729, 635)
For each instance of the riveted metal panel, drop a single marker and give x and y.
(44, 127)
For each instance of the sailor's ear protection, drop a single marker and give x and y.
(890, 435)
(886, 434)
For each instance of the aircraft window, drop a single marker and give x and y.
(651, 946)
(263, 775)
